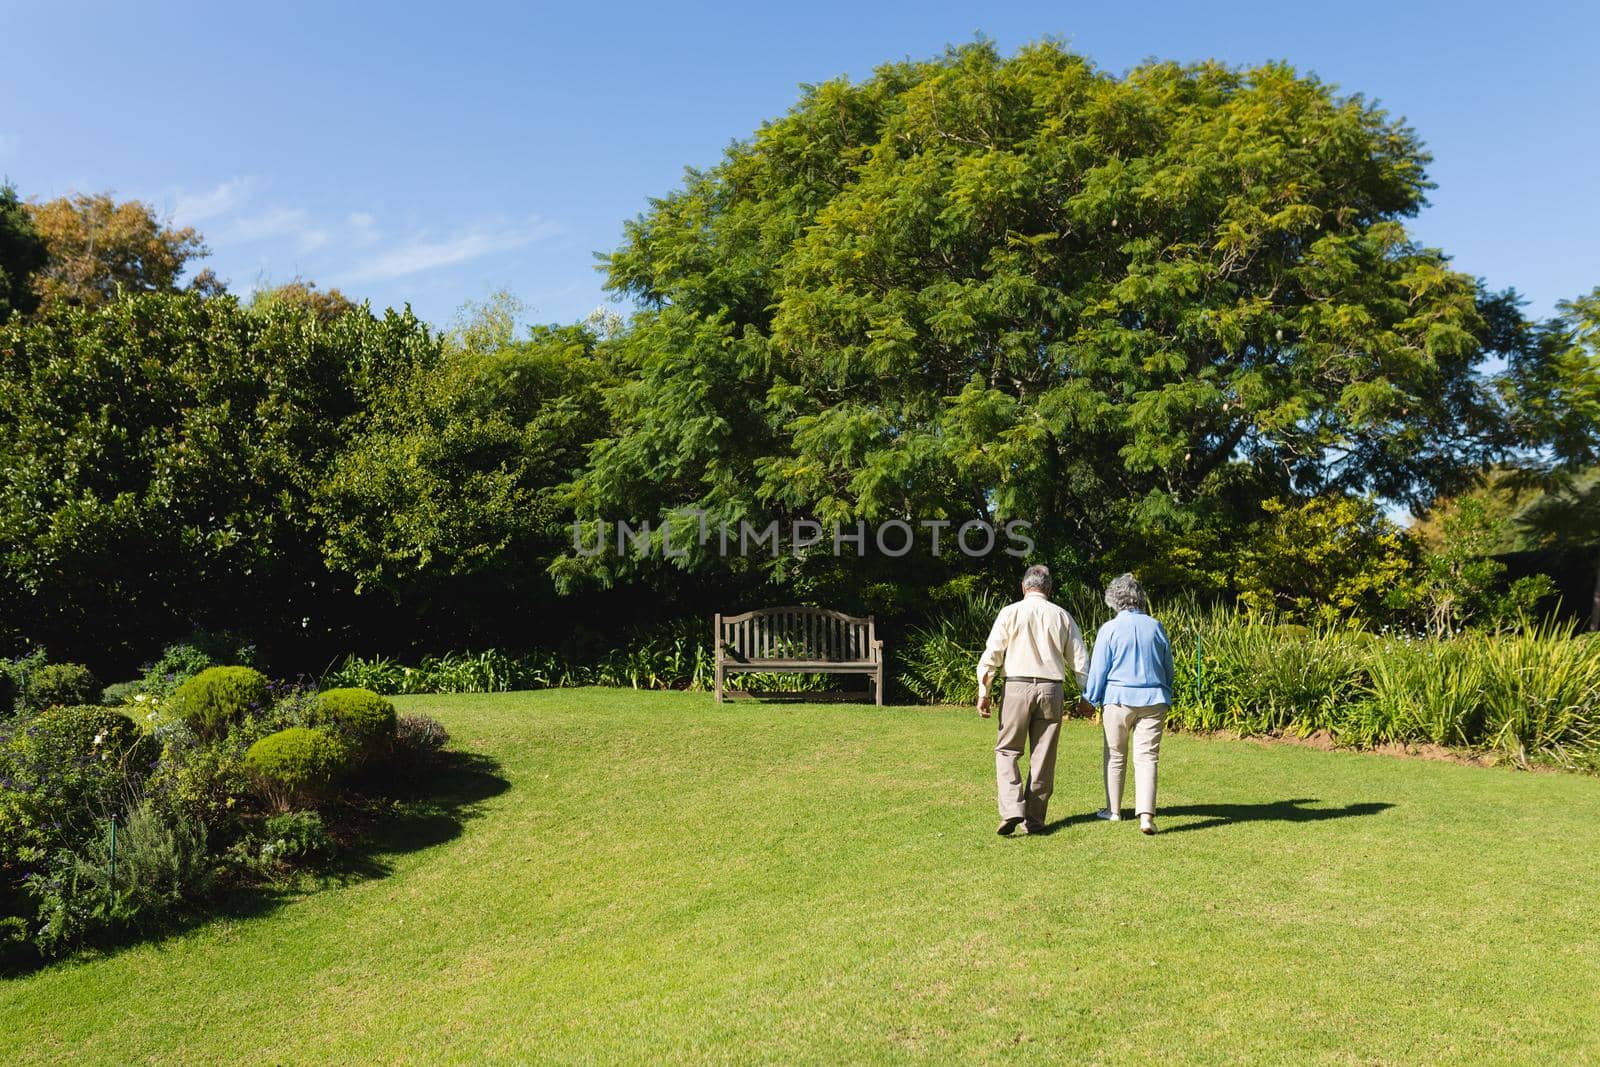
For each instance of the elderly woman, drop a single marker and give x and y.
(1130, 676)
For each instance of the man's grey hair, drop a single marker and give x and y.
(1038, 577)
(1125, 594)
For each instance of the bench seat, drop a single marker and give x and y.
(798, 640)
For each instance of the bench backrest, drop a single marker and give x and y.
(798, 633)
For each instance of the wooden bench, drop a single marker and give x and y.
(798, 640)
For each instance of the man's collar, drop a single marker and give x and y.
(1032, 592)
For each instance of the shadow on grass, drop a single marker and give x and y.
(1273, 811)
(1213, 815)
(412, 816)
(423, 815)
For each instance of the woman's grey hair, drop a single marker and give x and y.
(1038, 577)
(1125, 594)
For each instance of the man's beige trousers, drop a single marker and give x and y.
(1030, 714)
(1144, 725)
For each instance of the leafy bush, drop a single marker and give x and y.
(15, 676)
(676, 655)
(61, 685)
(419, 736)
(1263, 678)
(296, 767)
(59, 770)
(361, 716)
(159, 863)
(294, 837)
(218, 697)
(119, 694)
(181, 661)
(204, 783)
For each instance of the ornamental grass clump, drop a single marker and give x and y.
(219, 697)
(1541, 695)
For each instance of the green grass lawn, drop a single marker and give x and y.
(644, 876)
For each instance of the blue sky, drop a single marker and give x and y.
(434, 153)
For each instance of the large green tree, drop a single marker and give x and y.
(160, 456)
(1555, 387)
(1126, 309)
(450, 490)
(22, 252)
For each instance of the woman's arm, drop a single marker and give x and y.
(1094, 690)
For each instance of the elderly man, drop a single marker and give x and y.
(1030, 642)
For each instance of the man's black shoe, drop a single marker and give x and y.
(1008, 827)
(1034, 827)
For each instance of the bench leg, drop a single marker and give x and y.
(721, 680)
(878, 688)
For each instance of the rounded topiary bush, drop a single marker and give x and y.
(298, 766)
(218, 697)
(360, 715)
(62, 685)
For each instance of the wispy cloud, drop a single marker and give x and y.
(225, 197)
(364, 227)
(424, 253)
(271, 225)
(239, 221)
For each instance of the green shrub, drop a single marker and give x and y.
(61, 685)
(15, 676)
(1541, 695)
(182, 661)
(420, 734)
(160, 863)
(296, 767)
(61, 769)
(202, 782)
(361, 716)
(118, 694)
(218, 697)
(939, 663)
(294, 837)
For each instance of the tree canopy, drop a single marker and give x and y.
(22, 252)
(1123, 308)
(97, 246)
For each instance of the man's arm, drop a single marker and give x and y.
(1079, 652)
(993, 658)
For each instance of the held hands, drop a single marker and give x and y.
(1085, 708)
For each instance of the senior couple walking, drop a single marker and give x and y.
(1129, 677)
